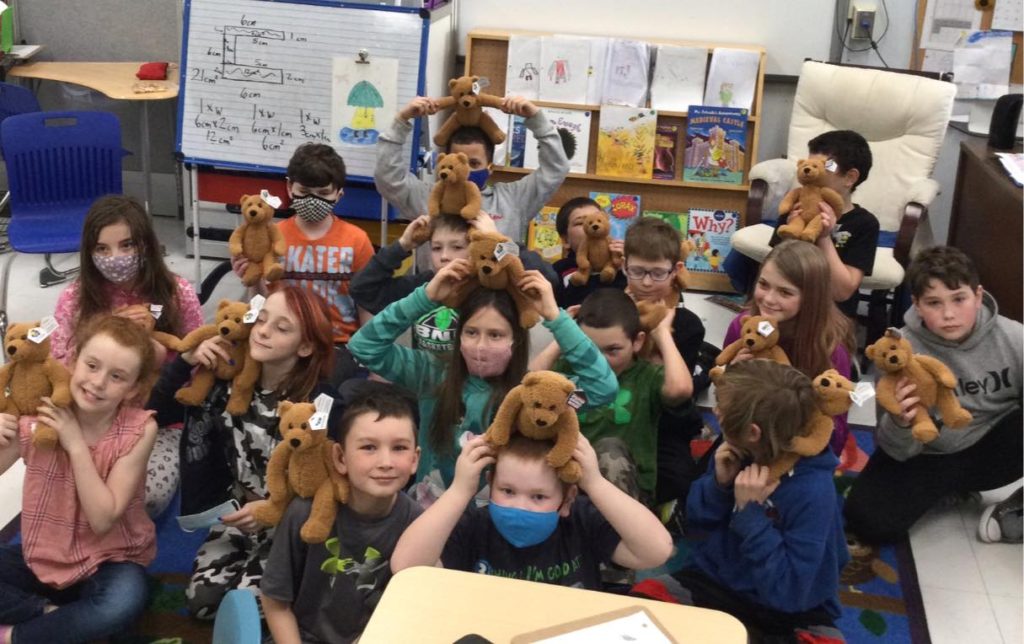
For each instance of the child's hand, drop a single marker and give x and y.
(242, 519)
(475, 456)
(208, 352)
(743, 354)
(828, 221)
(573, 310)
(904, 393)
(414, 232)
(590, 471)
(617, 246)
(137, 313)
(484, 223)
(8, 429)
(664, 328)
(519, 106)
(752, 485)
(728, 462)
(419, 106)
(451, 276)
(543, 297)
(69, 432)
(239, 264)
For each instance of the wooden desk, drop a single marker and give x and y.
(986, 223)
(427, 604)
(115, 80)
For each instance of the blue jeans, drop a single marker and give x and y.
(107, 603)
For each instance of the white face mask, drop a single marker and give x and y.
(311, 208)
(118, 268)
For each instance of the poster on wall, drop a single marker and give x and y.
(362, 94)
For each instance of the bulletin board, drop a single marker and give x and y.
(260, 77)
(986, 16)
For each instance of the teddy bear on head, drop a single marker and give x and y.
(302, 465)
(594, 252)
(30, 375)
(894, 357)
(812, 175)
(469, 106)
(539, 408)
(454, 193)
(258, 240)
(760, 335)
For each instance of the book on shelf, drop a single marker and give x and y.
(711, 233)
(504, 122)
(622, 209)
(666, 151)
(716, 144)
(678, 220)
(625, 141)
(573, 127)
(516, 141)
(542, 236)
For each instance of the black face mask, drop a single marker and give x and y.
(311, 208)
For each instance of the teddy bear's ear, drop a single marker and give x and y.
(531, 378)
(476, 235)
(462, 157)
(567, 386)
(474, 78)
(869, 351)
(223, 304)
(284, 407)
(452, 82)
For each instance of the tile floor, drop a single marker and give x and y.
(973, 592)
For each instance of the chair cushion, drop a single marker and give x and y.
(752, 241)
(885, 274)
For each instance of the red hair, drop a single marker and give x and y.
(311, 312)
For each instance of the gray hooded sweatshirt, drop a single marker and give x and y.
(988, 369)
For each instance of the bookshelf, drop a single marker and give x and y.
(487, 56)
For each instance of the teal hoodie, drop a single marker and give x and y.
(374, 345)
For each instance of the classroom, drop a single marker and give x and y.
(659, 321)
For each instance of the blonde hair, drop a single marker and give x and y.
(775, 397)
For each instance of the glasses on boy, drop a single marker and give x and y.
(656, 274)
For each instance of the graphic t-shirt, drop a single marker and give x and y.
(325, 266)
(569, 557)
(333, 587)
(435, 331)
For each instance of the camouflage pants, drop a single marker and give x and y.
(617, 465)
(228, 559)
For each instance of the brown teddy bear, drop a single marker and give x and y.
(454, 193)
(683, 274)
(258, 240)
(594, 253)
(302, 464)
(142, 314)
(30, 375)
(469, 106)
(228, 324)
(895, 359)
(811, 174)
(833, 392)
(496, 274)
(759, 334)
(539, 408)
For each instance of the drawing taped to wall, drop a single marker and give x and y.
(359, 90)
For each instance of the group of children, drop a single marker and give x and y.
(426, 489)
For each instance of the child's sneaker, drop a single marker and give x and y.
(1003, 521)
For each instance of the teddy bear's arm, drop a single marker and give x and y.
(5, 379)
(473, 201)
(565, 444)
(60, 381)
(444, 133)
(166, 339)
(235, 241)
(277, 242)
(501, 427)
(489, 100)
(728, 353)
(787, 202)
(444, 102)
(817, 437)
(434, 200)
(938, 370)
(885, 392)
(196, 337)
(242, 387)
(277, 474)
(777, 354)
(832, 198)
(583, 257)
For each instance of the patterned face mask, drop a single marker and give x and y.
(118, 268)
(312, 209)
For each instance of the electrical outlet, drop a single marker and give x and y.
(863, 19)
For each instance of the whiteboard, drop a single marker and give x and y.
(256, 79)
(789, 30)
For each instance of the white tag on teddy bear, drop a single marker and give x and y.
(831, 165)
(255, 306)
(863, 392)
(480, 84)
(323, 403)
(275, 202)
(46, 327)
(156, 310)
(577, 399)
(765, 328)
(505, 248)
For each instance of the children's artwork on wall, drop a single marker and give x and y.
(564, 64)
(522, 78)
(732, 78)
(595, 73)
(628, 64)
(678, 77)
(361, 93)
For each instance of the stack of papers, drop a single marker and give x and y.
(1014, 165)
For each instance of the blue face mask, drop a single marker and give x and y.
(479, 177)
(523, 528)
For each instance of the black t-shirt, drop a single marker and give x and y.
(569, 557)
(856, 239)
(568, 294)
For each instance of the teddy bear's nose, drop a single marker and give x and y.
(749, 342)
(894, 359)
(824, 382)
(295, 442)
(486, 270)
(807, 170)
(12, 350)
(224, 330)
(541, 423)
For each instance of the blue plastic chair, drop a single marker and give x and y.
(15, 99)
(58, 163)
(238, 619)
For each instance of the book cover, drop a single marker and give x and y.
(516, 142)
(542, 236)
(678, 220)
(573, 127)
(711, 233)
(623, 210)
(625, 141)
(666, 151)
(504, 122)
(716, 144)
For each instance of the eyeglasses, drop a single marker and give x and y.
(656, 274)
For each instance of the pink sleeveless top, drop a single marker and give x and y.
(58, 543)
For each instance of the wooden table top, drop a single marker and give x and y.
(115, 80)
